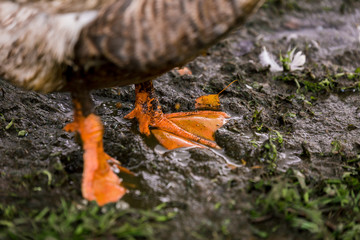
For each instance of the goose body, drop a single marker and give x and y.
(80, 45)
(108, 42)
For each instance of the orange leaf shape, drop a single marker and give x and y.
(210, 102)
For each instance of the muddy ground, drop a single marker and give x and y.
(283, 126)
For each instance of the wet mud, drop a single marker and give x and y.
(207, 188)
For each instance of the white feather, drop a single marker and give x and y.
(266, 59)
(297, 61)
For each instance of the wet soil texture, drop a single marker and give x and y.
(305, 120)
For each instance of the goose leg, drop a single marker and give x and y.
(174, 130)
(99, 182)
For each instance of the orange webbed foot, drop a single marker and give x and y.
(99, 182)
(178, 129)
(202, 125)
(144, 117)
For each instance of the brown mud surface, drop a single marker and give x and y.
(207, 188)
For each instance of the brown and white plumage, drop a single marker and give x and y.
(110, 43)
(36, 46)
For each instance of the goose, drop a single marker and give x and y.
(82, 45)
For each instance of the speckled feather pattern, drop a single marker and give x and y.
(109, 42)
(36, 46)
